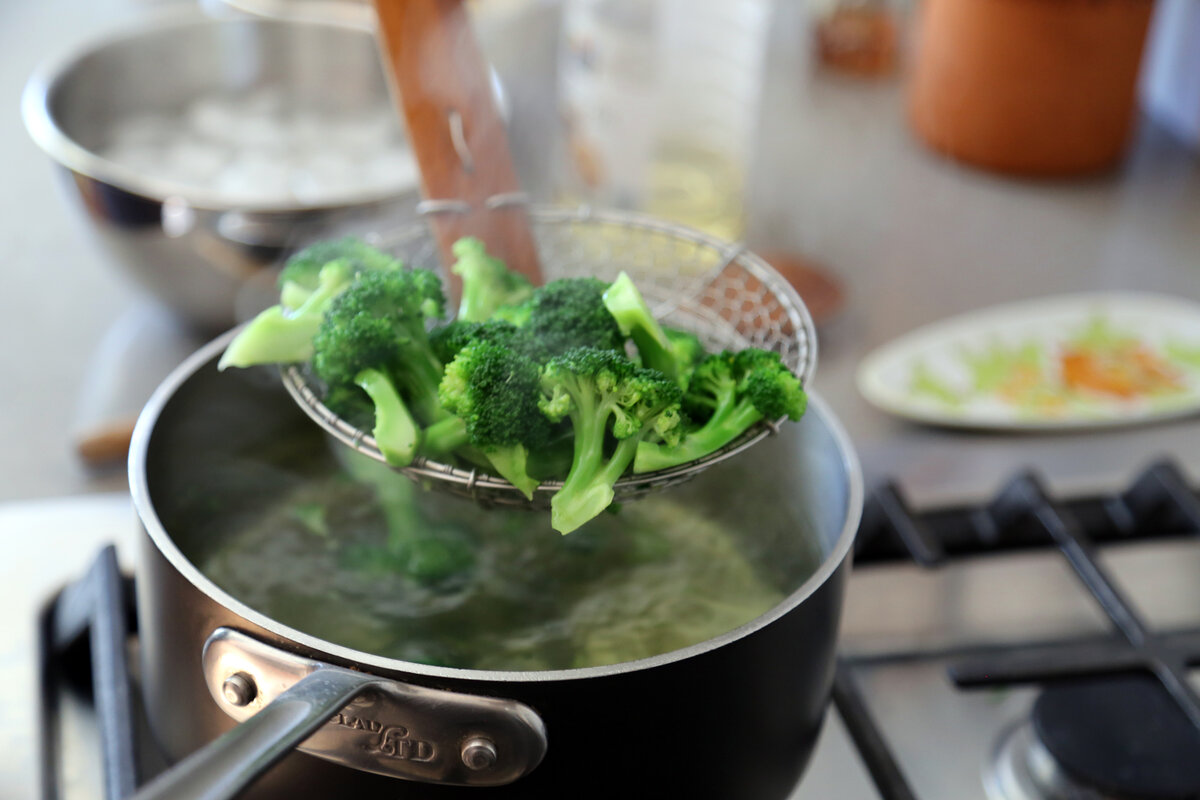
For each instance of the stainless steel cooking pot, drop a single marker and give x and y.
(206, 254)
(734, 716)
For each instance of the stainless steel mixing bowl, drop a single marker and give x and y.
(203, 256)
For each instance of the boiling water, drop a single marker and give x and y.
(350, 552)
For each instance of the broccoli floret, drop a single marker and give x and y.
(382, 318)
(299, 277)
(564, 314)
(553, 460)
(360, 351)
(425, 552)
(495, 391)
(603, 392)
(731, 392)
(633, 316)
(515, 314)
(688, 351)
(312, 279)
(282, 336)
(452, 337)
(487, 284)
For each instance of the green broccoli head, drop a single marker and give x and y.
(356, 356)
(309, 283)
(728, 392)
(495, 391)
(602, 392)
(452, 337)
(769, 385)
(407, 299)
(346, 344)
(487, 283)
(382, 318)
(299, 276)
(426, 288)
(713, 383)
(567, 313)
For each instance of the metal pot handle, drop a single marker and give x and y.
(363, 721)
(225, 767)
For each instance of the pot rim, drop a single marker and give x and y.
(144, 507)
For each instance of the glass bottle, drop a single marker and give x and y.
(660, 100)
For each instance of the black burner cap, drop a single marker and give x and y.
(1123, 736)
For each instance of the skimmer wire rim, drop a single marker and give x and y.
(487, 488)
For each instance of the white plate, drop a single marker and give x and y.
(1071, 361)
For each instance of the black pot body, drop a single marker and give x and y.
(735, 717)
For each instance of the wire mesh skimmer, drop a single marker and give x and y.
(722, 293)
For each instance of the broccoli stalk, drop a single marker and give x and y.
(282, 336)
(494, 391)
(487, 282)
(443, 438)
(396, 433)
(670, 351)
(734, 391)
(601, 391)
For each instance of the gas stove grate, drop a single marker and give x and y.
(94, 614)
(877, 756)
(1157, 504)
(1164, 657)
(1022, 515)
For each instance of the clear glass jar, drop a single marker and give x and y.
(661, 103)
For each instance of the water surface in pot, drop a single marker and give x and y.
(350, 552)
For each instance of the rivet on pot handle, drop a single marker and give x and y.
(352, 718)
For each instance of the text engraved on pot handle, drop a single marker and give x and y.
(394, 742)
(446, 737)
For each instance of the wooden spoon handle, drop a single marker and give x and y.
(455, 130)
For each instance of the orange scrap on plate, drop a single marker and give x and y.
(1126, 371)
(1026, 386)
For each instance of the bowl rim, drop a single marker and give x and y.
(44, 128)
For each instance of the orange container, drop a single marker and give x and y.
(1034, 87)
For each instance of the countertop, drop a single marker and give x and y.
(837, 177)
(59, 299)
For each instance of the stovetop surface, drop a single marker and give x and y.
(69, 532)
(906, 628)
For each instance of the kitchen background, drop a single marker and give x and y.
(835, 176)
(887, 234)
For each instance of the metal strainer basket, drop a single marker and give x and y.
(722, 293)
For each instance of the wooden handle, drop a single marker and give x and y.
(106, 443)
(454, 129)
